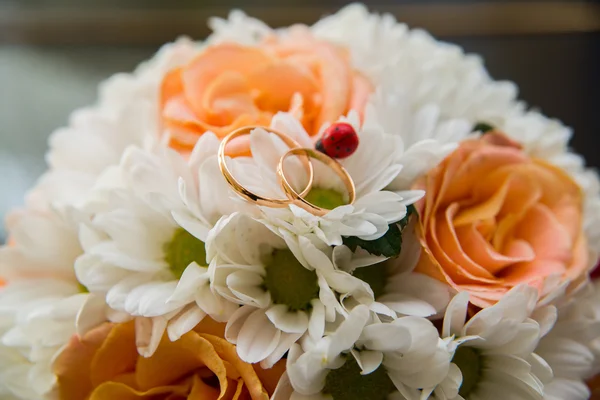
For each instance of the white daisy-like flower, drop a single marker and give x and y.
(126, 114)
(145, 248)
(287, 286)
(397, 290)
(364, 356)
(43, 304)
(494, 349)
(372, 167)
(572, 347)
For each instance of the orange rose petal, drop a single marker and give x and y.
(174, 360)
(116, 355)
(484, 296)
(523, 193)
(278, 82)
(270, 377)
(540, 228)
(240, 392)
(477, 166)
(532, 270)
(171, 86)
(567, 213)
(230, 371)
(428, 265)
(198, 75)
(439, 186)
(487, 209)
(452, 247)
(556, 183)
(72, 366)
(178, 116)
(497, 138)
(226, 98)
(336, 79)
(202, 391)
(120, 391)
(504, 231)
(519, 251)
(228, 352)
(486, 228)
(128, 379)
(483, 254)
(448, 266)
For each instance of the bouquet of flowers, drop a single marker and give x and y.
(346, 211)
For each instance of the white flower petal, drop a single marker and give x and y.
(258, 338)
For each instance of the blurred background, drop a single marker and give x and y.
(53, 53)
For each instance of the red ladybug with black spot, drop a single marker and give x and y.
(338, 141)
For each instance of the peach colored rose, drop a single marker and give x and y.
(493, 218)
(105, 365)
(230, 85)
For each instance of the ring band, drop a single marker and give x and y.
(239, 188)
(298, 199)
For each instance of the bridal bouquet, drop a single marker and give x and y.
(346, 211)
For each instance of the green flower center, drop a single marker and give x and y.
(82, 288)
(468, 360)
(325, 198)
(375, 275)
(288, 281)
(346, 383)
(483, 127)
(181, 250)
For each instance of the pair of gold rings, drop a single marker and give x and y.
(293, 197)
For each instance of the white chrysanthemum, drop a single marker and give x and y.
(372, 167)
(145, 248)
(287, 286)
(43, 304)
(494, 349)
(126, 114)
(397, 290)
(572, 347)
(363, 356)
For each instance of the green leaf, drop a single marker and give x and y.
(483, 127)
(410, 210)
(389, 245)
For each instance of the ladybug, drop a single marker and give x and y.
(338, 141)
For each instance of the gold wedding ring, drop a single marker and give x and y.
(240, 189)
(298, 199)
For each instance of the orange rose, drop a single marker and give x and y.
(105, 365)
(230, 85)
(493, 218)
